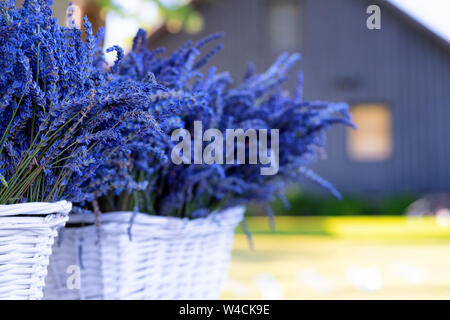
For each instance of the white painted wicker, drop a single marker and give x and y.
(27, 233)
(167, 258)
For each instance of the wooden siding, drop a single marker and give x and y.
(400, 65)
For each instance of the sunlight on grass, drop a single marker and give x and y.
(359, 226)
(342, 258)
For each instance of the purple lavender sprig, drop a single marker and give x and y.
(62, 113)
(259, 101)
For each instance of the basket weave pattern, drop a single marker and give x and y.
(166, 258)
(27, 233)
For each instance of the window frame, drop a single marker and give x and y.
(390, 108)
(299, 33)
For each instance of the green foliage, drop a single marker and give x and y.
(182, 13)
(302, 204)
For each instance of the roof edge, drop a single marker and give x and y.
(413, 22)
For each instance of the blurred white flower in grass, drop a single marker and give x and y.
(443, 217)
(409, 273)
(314, 280)
(236, 288)
(269, 287)
(365, 279)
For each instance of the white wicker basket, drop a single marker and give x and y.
(27, 232)
(166, 258)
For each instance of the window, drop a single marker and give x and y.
(284, 25)
(372, 141)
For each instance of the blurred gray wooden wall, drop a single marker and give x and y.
(402, 65)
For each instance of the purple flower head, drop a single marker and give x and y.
(258, 102)
(62, 115)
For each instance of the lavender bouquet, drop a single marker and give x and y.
(194, 190)
(62, 112)
(180, 258)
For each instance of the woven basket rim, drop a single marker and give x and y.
(139, 218)
(35, 208)
(27, 232)
(121, 260)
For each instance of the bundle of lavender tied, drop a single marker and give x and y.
(193, 189)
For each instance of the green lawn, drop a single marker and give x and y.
(342, 258)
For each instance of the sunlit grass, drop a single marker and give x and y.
(377, 227)
(342, 258)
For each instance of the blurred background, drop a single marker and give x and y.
(390, 235)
